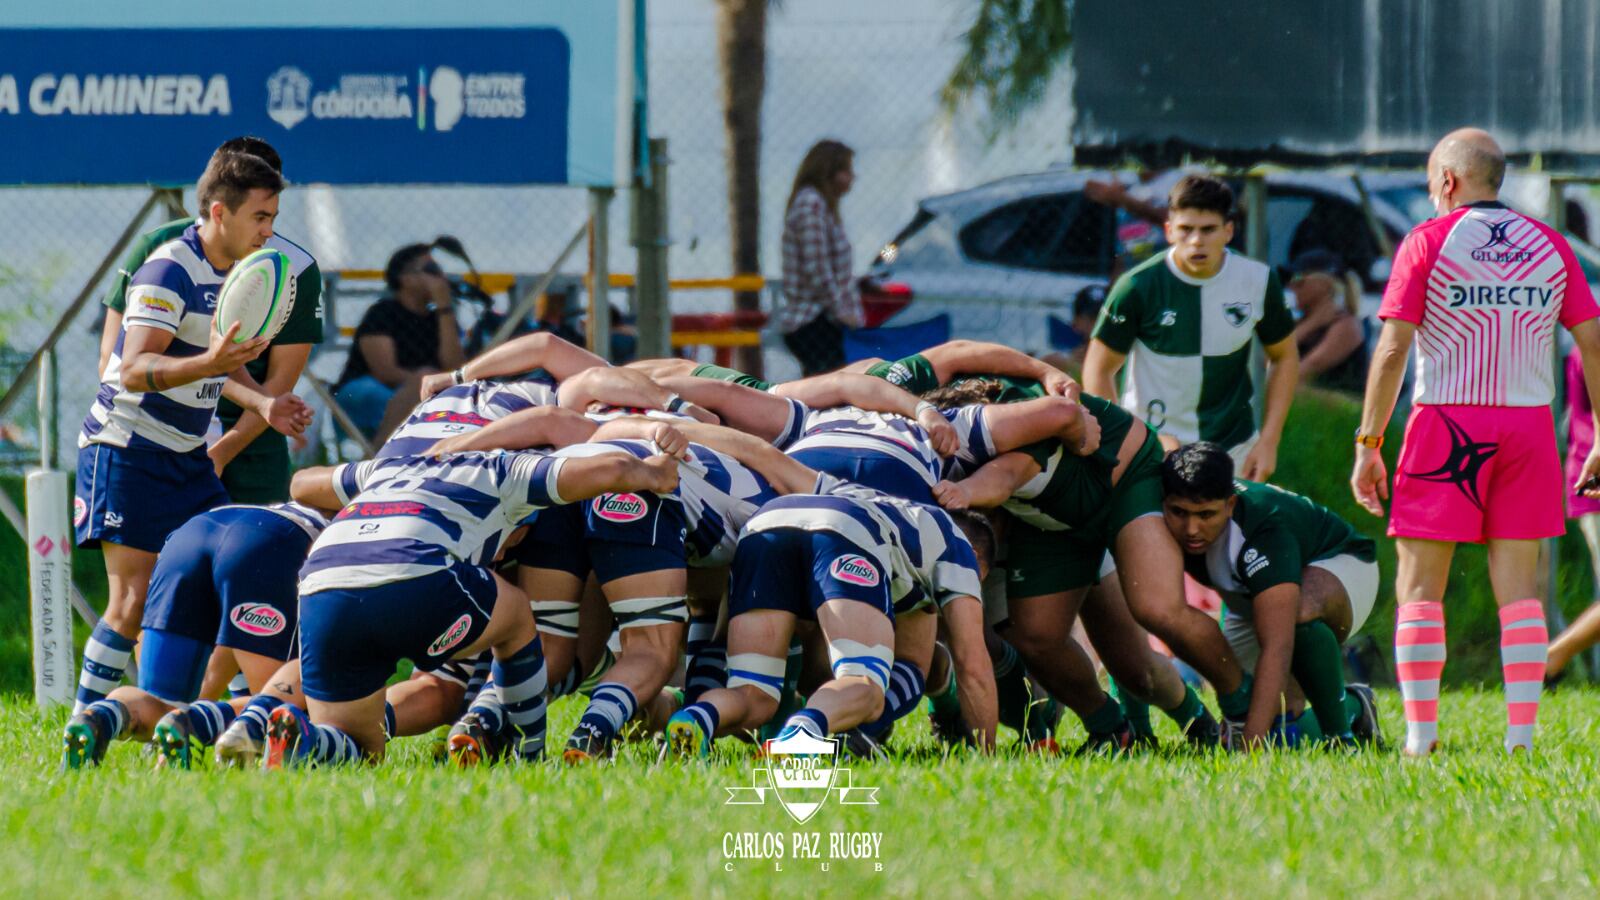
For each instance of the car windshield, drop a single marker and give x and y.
(1411, 200)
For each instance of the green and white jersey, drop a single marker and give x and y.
(1273, 536)
(1188, 344)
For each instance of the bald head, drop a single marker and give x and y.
(1473, 156)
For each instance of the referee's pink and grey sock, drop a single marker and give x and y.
(1524, 646)
(1419, 654)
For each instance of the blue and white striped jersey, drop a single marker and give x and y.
(843, 432)
(311, 521)
(931, 561)
(462, 408)
(174, 291)
(719, 495)
(977, 444)
(407, 516)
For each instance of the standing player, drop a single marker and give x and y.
(1480, 290)
(1297, 580)
(142, 463)
(1183, 321)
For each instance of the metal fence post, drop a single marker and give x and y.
(47, 411)
(600, 271)
(651, 314)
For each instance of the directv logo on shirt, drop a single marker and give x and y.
(1474, 295)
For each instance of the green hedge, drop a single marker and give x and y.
(1315, 461)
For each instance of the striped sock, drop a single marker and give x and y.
(1419, 661)
(568, 682)
(389, 725)
(1524, 644)
(480, 677)
(706, 716)
(808, 720)
(708, 658)
(610, 707)
(208, 719)
(239, 686)
(486, 706)
(332, 747)
(105, 658)
(254, 716)
(110, 715)
(522, 684)
(906, 684)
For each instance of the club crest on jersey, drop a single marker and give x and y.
(1236, 313)
(854, 569)
(620, 507)
(258, 619)
(80, 511)
(452, 636)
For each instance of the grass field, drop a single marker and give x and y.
(1467, 823)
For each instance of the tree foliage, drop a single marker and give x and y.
(1011, 51)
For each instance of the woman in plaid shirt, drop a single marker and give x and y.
(820, 297)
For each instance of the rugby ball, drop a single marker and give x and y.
(258, 294)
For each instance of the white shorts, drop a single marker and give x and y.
(1360, 581)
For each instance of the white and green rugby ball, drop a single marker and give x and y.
(258, 294)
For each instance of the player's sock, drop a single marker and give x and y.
(946, 701)
(1524, 646)
(1309, 727)
(1352, 705)
(332, 747)
(521, 683)
(905, 690)
(110, 715)
(255, 713)
(708, 658)
(1136, 711)
(568, 683)
(611, 706)
(1318, 665)
(808, 720)
(239, 686)
(105, 658)
(490, 712)
(789, 697)
(388, 720)
(706, 716)
(1105, 720)
(1011, 688)
(208, 719)
(1419, 653)
(476, 681)
(1237, 704)
(1187, 710)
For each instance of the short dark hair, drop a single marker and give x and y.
(966, 392)
(249, 143)
(1203, 193)
(230, 177)
(979, 531)
(1088, 301)
(1200, 471)
(400, 259)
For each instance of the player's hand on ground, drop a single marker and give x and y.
(1060, 384)
(1370, 480)
(940, 431)
(670, 440)
(288, 414)
(1260, 462)
(1588, 483)
(659, 475)
(433, 384)
(952, 495)
(1090, 442)
(224, 355)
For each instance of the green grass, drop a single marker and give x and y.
(1467, 823)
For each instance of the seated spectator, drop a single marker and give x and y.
(1332, 345)
(409, 333)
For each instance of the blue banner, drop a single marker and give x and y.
(342, 105)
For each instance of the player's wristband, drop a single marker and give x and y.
(459, 376)
(923, 406)
(1370, 441)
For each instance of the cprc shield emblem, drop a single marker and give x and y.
(801, 771)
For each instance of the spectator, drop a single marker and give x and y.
(406, 335)
(820, 296)
(1584, 632)
(1331, 341)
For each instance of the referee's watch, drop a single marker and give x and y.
(1370, 441)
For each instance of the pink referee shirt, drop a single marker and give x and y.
(1485, 286)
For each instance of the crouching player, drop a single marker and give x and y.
(226, 578)
(1297, 580)
(844, 560)
(403, 573)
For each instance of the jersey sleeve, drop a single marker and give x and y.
(794, 426)
(910, 373)
(1577, 302)
(305, 324)
(955, 572)
(145, 244)
(530, 482)
(350, 478)
(1405, 297)
(1270, 557)
(155, 296)
(1118, 324)
(1276, 322)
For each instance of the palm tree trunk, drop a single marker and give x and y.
(742, 48)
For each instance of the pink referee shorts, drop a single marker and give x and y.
(1474, 473)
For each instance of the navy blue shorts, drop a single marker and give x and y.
(796, 570)
(352, 639)
(137, 497)
(612, 535)
(872, 469)
(227, 577)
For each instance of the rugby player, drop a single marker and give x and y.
(142, 464)
(1297, 582)
(1479, 290)
(225, 578)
